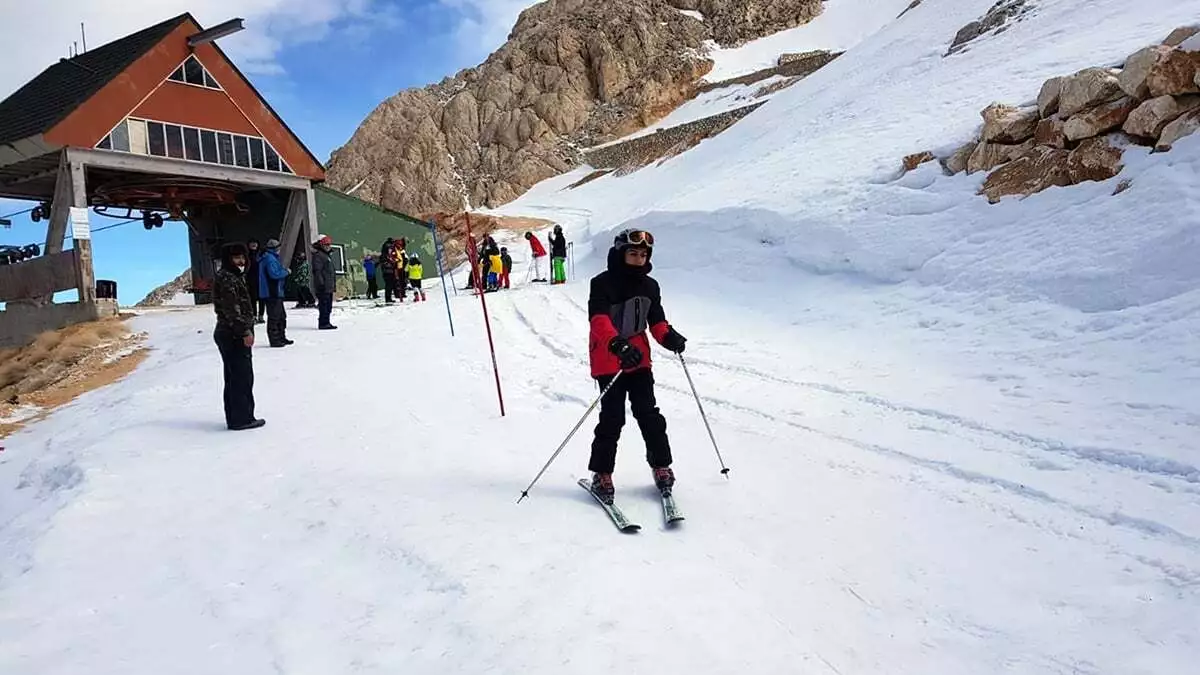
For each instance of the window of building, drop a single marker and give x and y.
(193, 72)
(144, 137)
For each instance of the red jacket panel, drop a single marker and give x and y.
(536, 246)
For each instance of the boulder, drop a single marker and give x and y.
(1150, 118)
(913, 161)
(1051, 132)
(957, 161)
(1179, 35)
(1098, 120)
(1049, 97)
(1096, 159)
(1006, 124)
(1137, 68)
(1174, 73)
(1087, 89)
(987, 156)
(1122, 186)
(1039, 169)
(1185, 125)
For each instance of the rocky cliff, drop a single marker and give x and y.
(573, 73)
(164, 293)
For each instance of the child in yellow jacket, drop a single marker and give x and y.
(415, 273)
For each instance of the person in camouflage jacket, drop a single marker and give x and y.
(234, 335)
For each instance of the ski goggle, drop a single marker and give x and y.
(636, 238)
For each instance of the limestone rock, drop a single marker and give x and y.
(1050, 95)
(1039, 169)
(913, 161)
(987, 156)
(1137, 68)
(1096, 159)
(1150, 118)
(1174, 73)
(1006, 124)
(574, 73)
(1087, 89)
(1051, 132)
(734, 22)
(957, 161)
(1185, 125)
(996, 20)
(1098, 120)
(1122, 186)
(1179, 35)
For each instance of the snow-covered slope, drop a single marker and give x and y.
(963, 437)
(843, 24)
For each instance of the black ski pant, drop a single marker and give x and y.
(324, 308)
(239, 378)
(276, 321)
(639, 387)
(389, 287)
(372, 288)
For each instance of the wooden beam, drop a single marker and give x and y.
(125, 161)
(293, 218)
(60, 207)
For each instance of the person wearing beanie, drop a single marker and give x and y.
(324, 281)
(537, 251)
(271, 276)
(625, 302)
(234, 335)
(252, 253)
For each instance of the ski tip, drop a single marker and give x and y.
(631, 529)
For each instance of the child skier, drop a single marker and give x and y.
(415, 274)
(506, 266)
(623, 303)
(558, 256)
(495, 269)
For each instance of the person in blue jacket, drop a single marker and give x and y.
(271, 275)
(369, 269)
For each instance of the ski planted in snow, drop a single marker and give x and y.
(671, 512)
(614, 512)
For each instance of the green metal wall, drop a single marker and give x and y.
(360, 227)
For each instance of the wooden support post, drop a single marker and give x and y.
(60, 207)
(310, 231)
(82, 245)
(292, 219)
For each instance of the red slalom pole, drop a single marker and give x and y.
(486, 321)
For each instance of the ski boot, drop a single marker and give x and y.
(602, 487)
(664, 479)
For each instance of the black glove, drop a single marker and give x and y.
(674, 341)
(631, 357)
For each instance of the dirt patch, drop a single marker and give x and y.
(60, 365)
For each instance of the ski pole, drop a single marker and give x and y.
(578, 424)
(724, 469)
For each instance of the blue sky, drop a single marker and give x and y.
(323, 65)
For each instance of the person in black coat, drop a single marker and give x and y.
(234, 335)
(558, 256)
(324, 281)
(252, 279)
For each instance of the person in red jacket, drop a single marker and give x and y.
(539, 252)
(623, 303)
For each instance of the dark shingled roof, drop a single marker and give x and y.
(48, 98)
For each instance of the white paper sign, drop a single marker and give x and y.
(80, 229)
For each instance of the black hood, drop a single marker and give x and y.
(617, 264)
(230, 250)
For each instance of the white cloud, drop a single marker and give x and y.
(39, 32)
(483, 25)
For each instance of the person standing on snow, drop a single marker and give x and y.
(538, 252)
(252, 278)
(387, 261)
(368, 263)
(505, 266)
(558, 256)
(324, 281)
(416, 272)
(623, 303)
(271, 276)
(234, 335)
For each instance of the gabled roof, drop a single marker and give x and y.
(48, 98)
